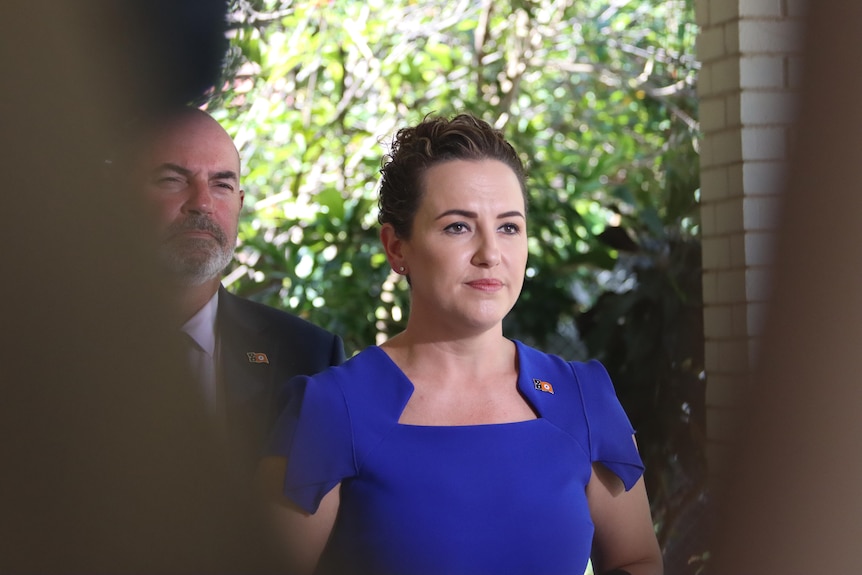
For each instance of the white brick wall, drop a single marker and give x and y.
(768, 37)
(750, 66)
(755, 8)
(762, 71)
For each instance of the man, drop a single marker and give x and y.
(242, 351)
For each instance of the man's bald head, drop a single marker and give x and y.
(190, 168)
(189, 121)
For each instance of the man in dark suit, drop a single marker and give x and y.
(242, 351)
(261, 349)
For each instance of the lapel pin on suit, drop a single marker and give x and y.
(257, 357)
(543, 386)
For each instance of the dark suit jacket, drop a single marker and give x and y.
(261, 348)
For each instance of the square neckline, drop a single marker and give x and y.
(521, 385)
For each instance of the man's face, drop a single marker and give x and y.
(191, 170)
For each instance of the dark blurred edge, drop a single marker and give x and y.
(791, 503)
(108, 465)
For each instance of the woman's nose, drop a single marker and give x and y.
(487, 252)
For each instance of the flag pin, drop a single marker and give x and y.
(257, 357)
(543, 386)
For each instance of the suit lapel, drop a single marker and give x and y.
(247, 362)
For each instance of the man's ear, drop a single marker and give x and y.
(393, 246)
(241, 198)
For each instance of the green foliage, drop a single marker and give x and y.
(598, 97)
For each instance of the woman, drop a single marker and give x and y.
(450, 449)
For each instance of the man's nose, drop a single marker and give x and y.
(200, 198)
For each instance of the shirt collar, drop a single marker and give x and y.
(201, 327)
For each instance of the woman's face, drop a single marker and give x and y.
(467, 253)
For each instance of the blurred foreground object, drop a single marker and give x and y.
(793, 503)
(108, 463)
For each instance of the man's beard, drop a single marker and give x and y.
(193, 260)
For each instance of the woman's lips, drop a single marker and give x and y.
(486, 284)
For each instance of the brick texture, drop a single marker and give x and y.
(750, 67)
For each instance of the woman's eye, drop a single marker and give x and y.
(510, 228)
(457, 228)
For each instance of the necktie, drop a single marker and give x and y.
(203, 366)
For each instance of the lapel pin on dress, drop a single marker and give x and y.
(257, 357)
(543, 386)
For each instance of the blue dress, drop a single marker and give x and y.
(476, 499)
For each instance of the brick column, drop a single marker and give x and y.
(749, 54)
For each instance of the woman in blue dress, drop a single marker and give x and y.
(450, 449)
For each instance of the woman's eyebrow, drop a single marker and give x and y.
(464, 213)
(474, 215)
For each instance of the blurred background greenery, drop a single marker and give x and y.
(597, 96)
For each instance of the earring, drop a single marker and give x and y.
(401, 269)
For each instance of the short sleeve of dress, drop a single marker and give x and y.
(610, 432)
(313, 432)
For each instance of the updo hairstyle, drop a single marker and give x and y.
(434, 141)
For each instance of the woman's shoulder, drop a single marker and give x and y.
(575, 395)
(567, 372)
(358, 370)
(580, 398)
(331, 384)
(369, 383)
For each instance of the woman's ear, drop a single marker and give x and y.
(393, 246)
